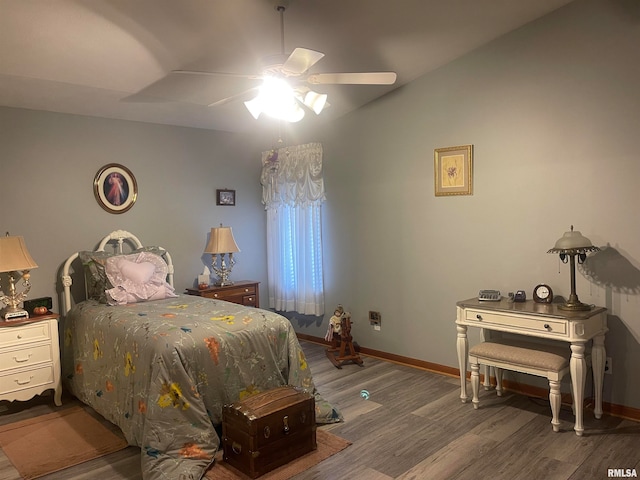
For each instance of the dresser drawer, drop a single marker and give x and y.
(516, 323)
(24, 357)
(25, 334)
(26, 378)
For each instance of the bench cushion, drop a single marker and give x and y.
(522, 353)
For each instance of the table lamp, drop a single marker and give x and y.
(15, 258)
(221, 242)
(570, 245)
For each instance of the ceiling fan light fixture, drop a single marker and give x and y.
(315, 101)
(254, 106)
(276, 98)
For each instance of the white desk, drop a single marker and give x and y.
(543, 321)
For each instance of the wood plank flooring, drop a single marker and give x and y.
(413, 426)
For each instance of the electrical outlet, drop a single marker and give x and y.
(375, 319)
(608, 366)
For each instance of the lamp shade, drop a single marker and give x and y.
(14, 255)
(221, 241)
(573, 241)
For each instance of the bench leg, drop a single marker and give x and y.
(498, 381)
(475, 384)
(555, 401)
(487, 377)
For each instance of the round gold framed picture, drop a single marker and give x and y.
(115, 188)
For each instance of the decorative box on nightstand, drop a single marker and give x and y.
(30, 358)
(245, 292)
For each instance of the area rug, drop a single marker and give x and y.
(328, 444)
(49, 443)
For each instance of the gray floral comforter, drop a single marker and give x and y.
(162, 371)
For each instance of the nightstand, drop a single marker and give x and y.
(30, 358)
(245, 292)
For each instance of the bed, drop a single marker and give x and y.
(161, 365)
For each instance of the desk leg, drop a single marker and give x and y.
(598, 355)
(578, 368)
(462, 345)
(484, 336)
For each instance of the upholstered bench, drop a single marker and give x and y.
(521, 356)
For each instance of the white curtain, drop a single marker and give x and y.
(293, 193)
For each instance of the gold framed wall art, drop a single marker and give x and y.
(453, 170)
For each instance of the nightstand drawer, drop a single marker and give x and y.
(26, 378)
(23, 357)
(249, 300)
(232, 292)
(244, 292)
(33, 332)
(517, 324)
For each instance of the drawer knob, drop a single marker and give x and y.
(246, 290)
(215, 295)
(19, 336)
(479, 317)
(547, 326)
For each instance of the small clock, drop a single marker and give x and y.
(542, 294)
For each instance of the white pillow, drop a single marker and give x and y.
(137, 278)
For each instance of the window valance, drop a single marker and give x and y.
(292, 176)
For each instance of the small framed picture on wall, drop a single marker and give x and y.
(225, 197)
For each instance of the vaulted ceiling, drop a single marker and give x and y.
(114, 58)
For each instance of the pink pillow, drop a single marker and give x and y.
(137, 277)
(136, 272)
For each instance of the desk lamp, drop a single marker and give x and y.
(570, 245)
(221, 242)
(14, 258)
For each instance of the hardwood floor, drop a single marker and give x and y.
(414, 426)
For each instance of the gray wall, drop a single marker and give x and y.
(552, 112)
(48, 164)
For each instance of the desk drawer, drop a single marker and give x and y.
(516, 323)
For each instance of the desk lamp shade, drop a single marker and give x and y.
(571, 245)
(14, 258)
(221, 243)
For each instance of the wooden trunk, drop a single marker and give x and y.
(268, 430)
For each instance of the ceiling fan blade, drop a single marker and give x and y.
(301, 60)
(218, 74)
(365, 78)
(233, 98)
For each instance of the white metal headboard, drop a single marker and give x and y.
(119, 237)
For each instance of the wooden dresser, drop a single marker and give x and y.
(245, 292)
(30, 358)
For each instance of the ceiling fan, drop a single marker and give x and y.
(286, 80)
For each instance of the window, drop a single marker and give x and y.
(293, 193)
